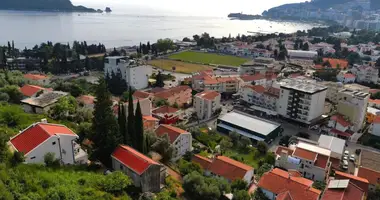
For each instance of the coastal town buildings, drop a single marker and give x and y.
(38, 79)
(42, 103)
(180, 96)
(144, 172)
(365, 74)
(181, 139)
(298, 54)
(206, 104)
(340, 126)
(33, 90)
(258, 66)
(261, 98)
(41, 138)
(345, 77)
(225, 167)
(280, 184)
(362, 183)
(369, 167)
(134, 74)
(342, 189)
(301, 99)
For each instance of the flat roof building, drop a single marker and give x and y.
(252, 127)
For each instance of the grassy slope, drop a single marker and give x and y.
(209, 58)
(181, 67)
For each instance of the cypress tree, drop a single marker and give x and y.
(139, 128)
(105, 130)
(131, 121)
(122, 122)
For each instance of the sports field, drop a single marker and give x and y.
(180, 67)
(209, 58)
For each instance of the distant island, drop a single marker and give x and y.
(108, 10)
(242, 16)
(43, 5)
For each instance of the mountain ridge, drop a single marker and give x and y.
(43, 5)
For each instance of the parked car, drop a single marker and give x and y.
(346, 153)
(352, 158)
(345, 165)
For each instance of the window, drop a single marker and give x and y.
(121, 167)
(53, 143)
(33, 157)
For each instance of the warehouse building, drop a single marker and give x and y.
(255, 128)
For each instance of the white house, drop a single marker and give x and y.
(279, 184)
(340, 127)
(181, 139)
(206, 103)
(365, 73)
(344, 77)
(375, 126)
(258, 96)
(41, 138)
(135, 75)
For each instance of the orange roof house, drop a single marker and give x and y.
(362, 183)
(280, 183)
(225, 167)
(32, 90)
(342, 190)
(144, 172)
(337, 63)
(35, 77)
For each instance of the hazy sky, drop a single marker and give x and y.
(188, 7)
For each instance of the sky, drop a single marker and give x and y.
(186, 7)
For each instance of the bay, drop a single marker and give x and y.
(123, 29)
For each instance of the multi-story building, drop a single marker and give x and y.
(222, 84)
(332, 90)
(312, 161)
(345, 77)
(365, 73)
(206, 104)
(181, 139)
(257, 65)
(144, 172)
(279, 184)
(340, 127)
(180, 95)
(302, 100)
(134, 74)
(353, 105)
(258, 96)
(41, 138)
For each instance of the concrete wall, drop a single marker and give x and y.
(37, 155)
(182, 145)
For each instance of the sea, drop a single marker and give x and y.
(117, 29)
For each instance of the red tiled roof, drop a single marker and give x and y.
(227, 79)
(284, 196)
(30, 90)
(340, 119)
(35, 135)
(133, 159)
(352, 192)
(202, 161)
(149, 118)
(341, 133)
(362, 183)
(375, 101)
(305, 154)
(141, 94)
(372, 176)
(335, 62)
(374, 91)
(209, 95)
(279, 181)
(321, 161)
(173, 132)
(86, 99)
(256, 88)
(250, 78)
(348, 75)
(294, 173)
(35, 76)
(165, 109)
(229, 168)
(281, 148)
(170, 92)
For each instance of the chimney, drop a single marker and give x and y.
(44, 120)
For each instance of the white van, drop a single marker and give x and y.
(345, 164)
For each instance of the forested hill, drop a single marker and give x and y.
(43, 5)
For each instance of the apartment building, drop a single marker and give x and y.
(353, 105)
(345, 77)
(312, 161)
(258, 96)
(302, 100)
(365, 73)
(206, 104)
(133, 73)
(332, 90)
(180, 95)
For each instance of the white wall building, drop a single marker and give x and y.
(302, 100)
(366, 74)
(181, 139)
(345, 77)
(41, 138)
(135, 75)
(206, 103)
(257, 95)
(298, 54)
(332, 90)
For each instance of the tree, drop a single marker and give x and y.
(159, 80)
(319, 185)
(13, 92)
(259, 195)
(305, 47)
(139, 128)
(164, 45)
(50, 160)
(284, 141)
(239, 184)
(64, 107)
(375, 194)
(225, 144)
(3, 147)
(375, 96)
(234, 137)
(122, 121)
(263, 169)
(186, 167)
(164, 147)
(378, 62)
(262, 147)
(275, 53)
(354, 58)
(131, 132)
(115, 183)
(186, 39)
(84, 130)
(241, 195)
(125, 96)
(244, 143)
(105, 135)
(4, 97)
(17, 158)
